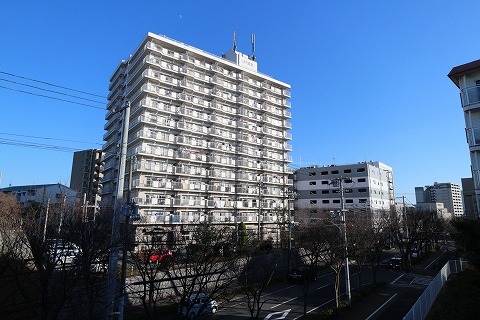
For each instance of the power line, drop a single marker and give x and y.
(53, 91)
(27, 144)
(47, 138)
(20, 143)
(53, 85)
(49, 97)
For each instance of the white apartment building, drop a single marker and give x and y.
(447, 193)
(366, 186)
(467, 78)
(207, 138)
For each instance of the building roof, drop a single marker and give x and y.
(31, 187)
(462, 69)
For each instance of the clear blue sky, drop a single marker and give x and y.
(369, 78)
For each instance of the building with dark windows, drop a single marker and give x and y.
(86, 175)
(366, 186)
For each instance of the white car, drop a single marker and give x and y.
(196, 305)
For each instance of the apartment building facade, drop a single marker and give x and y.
(86, 175)
(447, 193)
(467, 78)
(207, 140)
(366, 186)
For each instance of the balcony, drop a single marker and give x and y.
(470, 96)
(473, 137)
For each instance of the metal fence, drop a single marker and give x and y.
(420, 309)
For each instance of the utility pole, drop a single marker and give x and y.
(343, 216)
(127, 213)
(46, 221)
(291, 196)
(115, 239)
(260, 189)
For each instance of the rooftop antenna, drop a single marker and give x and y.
(234, 41)
(253, 47)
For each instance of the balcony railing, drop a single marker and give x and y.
(470, 95)
(473, 136)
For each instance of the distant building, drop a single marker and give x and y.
(447, 193)
(467, 78)
(469, 199)
(86, 175)
(438, 207)
(366, 186)
(57, 194)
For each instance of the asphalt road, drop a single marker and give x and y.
(286, 301)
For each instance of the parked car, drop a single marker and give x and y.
(62, 252)
(396, 263)
(197, 305)
(163, 257)
(302, 275)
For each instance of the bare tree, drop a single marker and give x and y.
(411, 228)
(205, 266)
(151, 260)
(255, 272)
(51, 267)
(366, 235)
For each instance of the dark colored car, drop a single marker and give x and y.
(396, 263)
(302, 275)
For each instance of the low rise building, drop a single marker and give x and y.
(54, 193)
(365, 186)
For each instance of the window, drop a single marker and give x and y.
(361, 180)
(334, 171)
(313, 183)
(347, 171)
(312, 173)
(325, 182)
(313, 211)
(362, 190)
(362, 201)
(348, 200)
(335, 191)
(347, 190)
(324, 173)
(336, 201)
(313, 201)
(325, 191)
(361, 170)
(313, 192)
(325, 201)
(348, 181)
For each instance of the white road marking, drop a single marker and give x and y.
(283, 302)
(398, 278)
(381, 307)
(283, 314)
(314, 309)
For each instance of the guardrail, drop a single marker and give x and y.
(420, 309)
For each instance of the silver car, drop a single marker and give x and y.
(197, 305)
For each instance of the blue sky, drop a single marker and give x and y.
(369, 78)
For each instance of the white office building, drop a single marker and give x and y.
(366, 186)
(208, 136)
